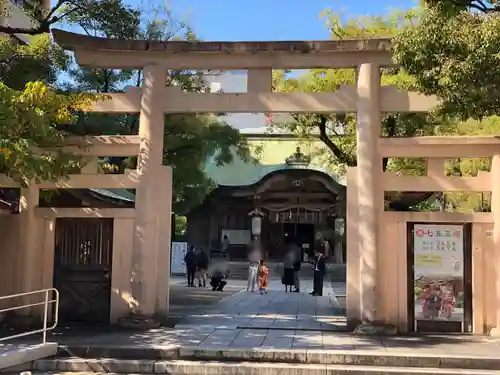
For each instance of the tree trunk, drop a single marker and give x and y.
(407, 199)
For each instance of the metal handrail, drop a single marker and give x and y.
(45, 303)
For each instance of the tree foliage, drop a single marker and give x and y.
(189, 139)
(453, 6)
(454, 54)
(40, 60)
(43, 14)
(338, 131)
(31, 109)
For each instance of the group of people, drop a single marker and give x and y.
(258, 274)
(291, 273)
(197, 265)
(197, 262)
(438, 301)
(258, 277)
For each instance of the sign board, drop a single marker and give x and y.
(237, 236)
(177, 265)
(438, 258)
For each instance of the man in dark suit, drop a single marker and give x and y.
(190, 261)
(319, 273)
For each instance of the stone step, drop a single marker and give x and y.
(107, 367)
(148, 356)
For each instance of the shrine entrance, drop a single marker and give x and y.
(300, 208)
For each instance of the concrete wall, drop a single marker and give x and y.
(14, 259)
(392, 278)
(9, 241)
(123, 233)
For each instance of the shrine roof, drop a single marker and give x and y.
(73, 41)
(238, 173)
(117, 194)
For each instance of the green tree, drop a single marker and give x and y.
(453, 53)
(338, 131)
(40, 60)
(31, 111)
(189, 139)
(43, 15)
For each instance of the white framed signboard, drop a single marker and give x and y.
(237, 236)
(438, 259)
(177, 265)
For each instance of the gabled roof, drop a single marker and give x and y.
(116, 194)
(239, 173)
(236, 174)
(250, 173)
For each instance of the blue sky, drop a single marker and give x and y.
(239, 20)
(270, 19)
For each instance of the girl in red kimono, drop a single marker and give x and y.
(448, 301)
(263, 277)
(425, 301)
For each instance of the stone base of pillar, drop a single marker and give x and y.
(376, 329)
(139, 322)
(353, 323)
(495, 332)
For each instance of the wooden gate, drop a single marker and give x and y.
(82, 269)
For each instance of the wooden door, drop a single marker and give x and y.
(82, 269)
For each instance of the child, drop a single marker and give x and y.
(434, 302)
(425, 301)
(263, 277)
(448, 301)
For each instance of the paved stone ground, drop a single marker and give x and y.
(280, 320)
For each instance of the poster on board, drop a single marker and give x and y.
(177, 265)
(438, 252)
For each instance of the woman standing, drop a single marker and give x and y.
(288, 271)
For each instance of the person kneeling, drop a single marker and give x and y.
(217, 282)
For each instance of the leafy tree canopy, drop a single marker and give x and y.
(440, 77)
(31, 111)
(338, 131)
(453, 53)
(189, 139)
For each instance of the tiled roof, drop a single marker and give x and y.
(239, 173)
(118, 194)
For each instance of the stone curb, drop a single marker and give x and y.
(288, 356)
(218, 368)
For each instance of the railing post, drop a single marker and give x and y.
(45, 313)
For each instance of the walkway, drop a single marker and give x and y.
(274, 320)
(278, 321)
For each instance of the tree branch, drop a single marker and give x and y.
(391, 132)
(477, 5)
(43, 25)
(337, 152)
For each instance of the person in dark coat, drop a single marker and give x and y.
(217, 281)
(296, 275)
(202, 268)
(288, 272)
(319, 273)
(190, 261)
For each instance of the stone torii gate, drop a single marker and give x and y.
(367, 98)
